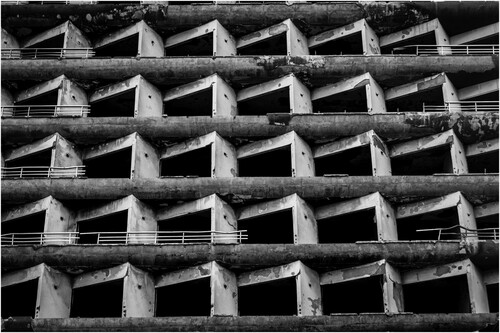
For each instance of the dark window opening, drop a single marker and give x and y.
(357, 296)
(115, 223)
(270, 46)
(273, 228)
(119, 105)
(197, 221)
(490, 40)
(274, 163)
(447, 295)
(197, 162)
(98, 301)
(196, 104)
(423, 163)
(349, 228)
(56, 42)
(492, 97)
(48, 98)
(190, 298)
(492, 291)
(354, 162)
(484, 163)
(352, 44)
(200, 46)
(432, 98)
(23, 227)
(19, 300)
(125, 47)
(113, 165)
(40, 159)
(347, 101)
(487, 222)
(277, 101)
(275, 298)
(445, 218)
(425, 39)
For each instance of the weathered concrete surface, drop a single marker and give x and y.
(320, 257)
(477, 188)
(389, 70)
(470, 127)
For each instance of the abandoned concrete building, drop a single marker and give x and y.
(249, 166)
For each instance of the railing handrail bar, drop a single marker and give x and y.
(159, 232)
(455, 226)
(43, 166)
(51, 106)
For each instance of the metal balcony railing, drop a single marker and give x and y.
(162, 237)
(47, 53)
(43, 172)
(462, 106)
(464, 233)
(447, 49)
(44, 111)
(64, 2)
(40, 238)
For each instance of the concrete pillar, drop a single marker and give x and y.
(296, 41)
(299, 96)
(477, 290)
(370, 40)
(385, 217)
(475, 34)
(457, 151)
(150, 43)
(307, 284)
(222, 217)
(223, 161)
(224, 43)
(148, 101)
(477, 90)
(379, 153)
(53, 299)
(305, 230)
(223, 286)
(223, 96)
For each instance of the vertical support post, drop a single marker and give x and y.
(98, 237)
(21, 173)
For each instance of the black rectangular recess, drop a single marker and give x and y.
(270, 46)
(98, 300)
(425, 39)
(125, 47)
(354, 162)
(351, 44)
(48, 98)
(483, 163)
(349, 228)
(33, 223)
(195, 47)
(274, 298)
(272, 163)
(195, 104)
(277, 101)
(445, 218)
(41, 158)
(423, 163)
(116, 222)
(273, 228)
(197, 162)
(432, 97)
(492, 290)
(118, 105)
(116, 164)
(19, 300)
(348, 101)
(191, 298)
(197, 221)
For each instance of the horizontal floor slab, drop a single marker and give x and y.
(245, 257)
(435, 322)
(477, 188)
(474, 126)
(390, 70)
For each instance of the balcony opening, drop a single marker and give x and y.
(125, 47)
(274, 298)
(447, 295)
(196, 104)
(270, 46)
(492, 291)
(349, 228)
(197, 221)
(423, 163)
(48, 98)
(490, 40)
(352, 44)
(273, 228)
(277, 101)
(98, 301)
(40, 159)
(347, 101)
(113, 165)
(425, 39)
(445, 218)
(19, 300)
(432, 98)
(115, 223)
(119, 105)
(353, 162)
(25, 228)
(56, 42)
(484, 163)
(487, 222)
(197, 162)
(195, 47)
(357, 296)
(273, 163)
(188, 299)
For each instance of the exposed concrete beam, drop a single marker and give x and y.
(482, 147)
(476, 34)
(488, 209)
(474, 187)
(475, 126)
(386, 70)
(479, 89)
